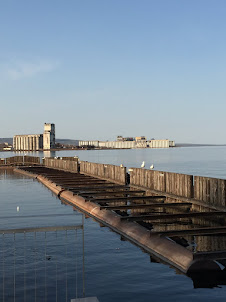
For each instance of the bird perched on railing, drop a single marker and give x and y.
(152, 167)
(143, 164)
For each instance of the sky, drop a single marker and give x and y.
(102, 68)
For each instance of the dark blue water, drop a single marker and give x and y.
(115, 270)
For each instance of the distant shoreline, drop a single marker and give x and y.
(199, 145)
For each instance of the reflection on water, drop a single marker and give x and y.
(41, 266)
(49, 153)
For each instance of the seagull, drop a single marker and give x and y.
(121, 166)
(143, 164)
(152, 167)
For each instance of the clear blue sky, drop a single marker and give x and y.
(102, 68)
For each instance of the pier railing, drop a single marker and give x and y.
(70, 165)
(211, 191)
(173, 183)
(109, 172)
(20, 160)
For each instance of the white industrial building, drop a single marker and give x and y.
(160, 143)
(28, 142)
(35, 142)
(49, 136)
(118, 145)
(88, 144)
(128, 144)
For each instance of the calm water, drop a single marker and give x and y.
(49, 265)
(203, 161)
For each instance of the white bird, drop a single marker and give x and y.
(152, 167)
(121, 166)
(143, 164)
(17, 209)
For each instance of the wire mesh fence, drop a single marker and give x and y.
(42, 264)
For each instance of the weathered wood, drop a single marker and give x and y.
(65, 165)
(129, 198)
(82, 188)
(109, 172)
(195, 231)
(88, 181)
(152, 205)
(174, 216)
(174, 183)
(210, 190)
(99, 188)
(123, 192)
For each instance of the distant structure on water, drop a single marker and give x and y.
(35, 142)
(128, 143)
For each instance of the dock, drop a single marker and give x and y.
(159, 211)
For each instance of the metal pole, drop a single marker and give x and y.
(24, 267)
(35, 268)
(45, 270)
(83, 260)
(76, 266)
(56, 268)
(14, 270)
(3, 269)
(66, 264)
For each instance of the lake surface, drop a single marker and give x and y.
(203, 161)
(48, 266)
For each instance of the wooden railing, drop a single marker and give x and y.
(212, 191)
(20, 160)
(61, 164)
(109, 172)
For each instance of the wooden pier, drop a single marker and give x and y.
(159, 211)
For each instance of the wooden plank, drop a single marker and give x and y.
(195, 231)
(83, 188)
(79, 182)
(152, 205)
(196, 187)
(174, 216)
(113, 192)
(129, 198)
(106, 190)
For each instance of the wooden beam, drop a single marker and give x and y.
(143, 206)
(79, 181)
(174, 216)
(114, 199)
(83, 187)
(206, 231)
(113, 192)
